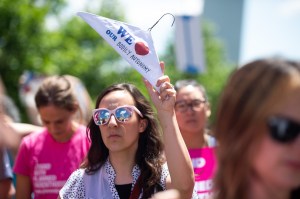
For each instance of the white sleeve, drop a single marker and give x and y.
(164, 174)
(74, 187)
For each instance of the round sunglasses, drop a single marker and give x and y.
(282, 129)
(122, 114)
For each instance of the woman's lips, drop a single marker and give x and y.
(114, 136)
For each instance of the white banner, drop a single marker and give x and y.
(189, 45)
(133, 44)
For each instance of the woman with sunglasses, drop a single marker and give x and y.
(258, 132)
(126, 156)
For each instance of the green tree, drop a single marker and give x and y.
(21, 29)
(73, 48)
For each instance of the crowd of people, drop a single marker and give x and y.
(128, 150)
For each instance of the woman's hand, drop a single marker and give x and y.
(163, 100)
(168, 194)
(180, 166)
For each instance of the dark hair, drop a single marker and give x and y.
(57, 91)
(149, 153)
(190, 82)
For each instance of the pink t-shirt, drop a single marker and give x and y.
(49, 163)
(204, 163)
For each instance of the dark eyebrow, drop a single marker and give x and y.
(180, 101)
(191, 100)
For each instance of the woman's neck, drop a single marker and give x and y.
(123, 165)
(194, 140)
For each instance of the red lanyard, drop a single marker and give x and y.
(136, 189)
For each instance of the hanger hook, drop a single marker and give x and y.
(160, 19)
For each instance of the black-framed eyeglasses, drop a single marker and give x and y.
(183, 105)
(283, 129)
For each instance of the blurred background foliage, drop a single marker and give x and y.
(74, 48)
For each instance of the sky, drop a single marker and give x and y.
(270, 27)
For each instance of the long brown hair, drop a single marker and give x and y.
(149, 153)
(251, 94)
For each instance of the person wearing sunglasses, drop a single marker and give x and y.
(192, 112)
(47, 158)
(127, 158)
(258, 132)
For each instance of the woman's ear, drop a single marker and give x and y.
(143, 125)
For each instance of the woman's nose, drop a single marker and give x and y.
(112, 121)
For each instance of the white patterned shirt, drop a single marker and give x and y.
(100, 185)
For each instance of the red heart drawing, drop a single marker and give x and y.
(141, 48)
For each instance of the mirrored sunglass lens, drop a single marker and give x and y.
(123, 114)
(283, 130)
(96, 117)
(102, 117)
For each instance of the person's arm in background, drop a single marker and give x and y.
(21, 168)
(7, 189)
(23, 187)
(178, 159)
(5, 186)
(23, 129)
(11, 133)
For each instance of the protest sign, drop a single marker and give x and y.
(132, 43)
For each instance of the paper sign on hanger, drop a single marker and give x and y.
(132, 43)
